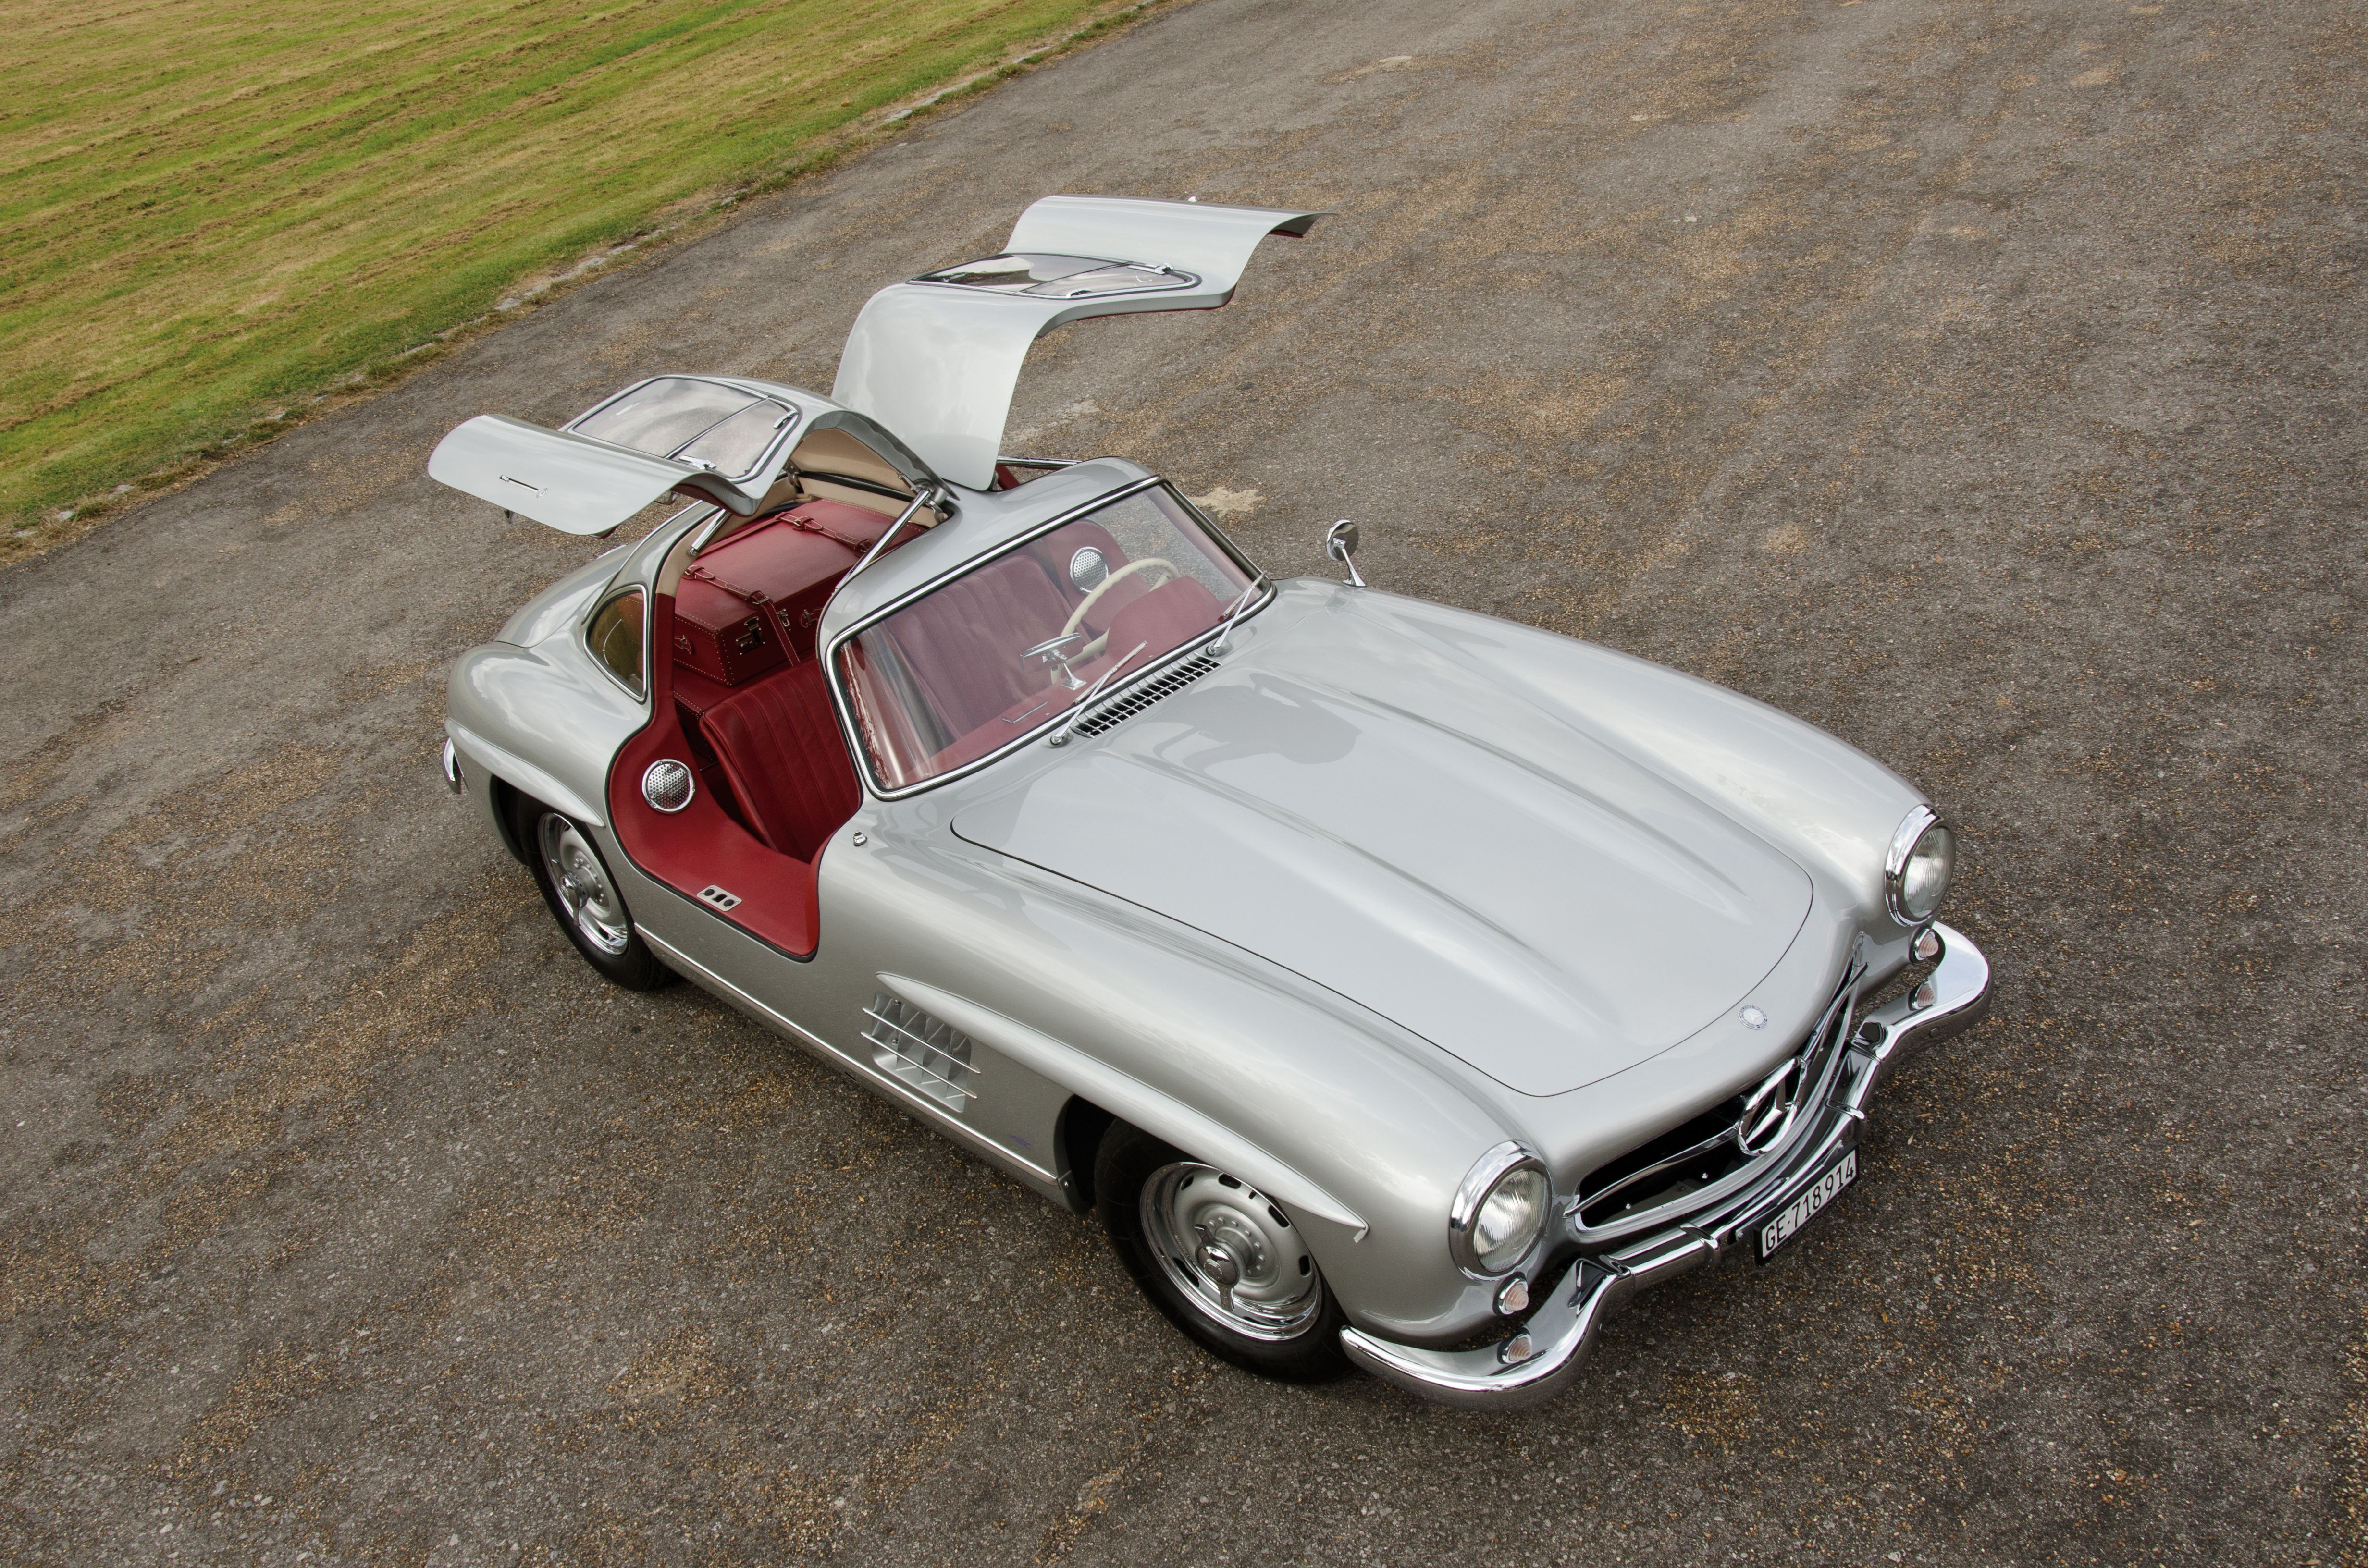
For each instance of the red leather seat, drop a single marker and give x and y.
(781, 745)
(1166, 615)
(964, 651)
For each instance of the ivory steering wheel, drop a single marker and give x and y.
(1077, 615)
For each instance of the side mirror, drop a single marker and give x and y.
(1340, 544)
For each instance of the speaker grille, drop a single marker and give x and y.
(668, 785)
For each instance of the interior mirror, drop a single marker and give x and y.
(1340, 544)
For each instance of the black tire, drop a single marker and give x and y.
(1297, 1339)
(596, 921)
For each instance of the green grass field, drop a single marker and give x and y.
(213, 210)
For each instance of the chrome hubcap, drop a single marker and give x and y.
(1231, 1250)
(584, 889)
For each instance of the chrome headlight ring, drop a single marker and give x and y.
(1500, 1209)
(1918, 867)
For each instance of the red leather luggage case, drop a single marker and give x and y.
(749, 603)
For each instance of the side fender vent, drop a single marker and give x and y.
(925, 1055)
(1144, 696)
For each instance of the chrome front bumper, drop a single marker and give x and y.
(1542, 1359)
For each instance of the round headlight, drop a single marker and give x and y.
(1915, 875)
(1498, 1211)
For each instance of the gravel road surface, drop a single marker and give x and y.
(1980, 380)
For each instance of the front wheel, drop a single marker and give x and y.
(1218, 1258)
(584, 899)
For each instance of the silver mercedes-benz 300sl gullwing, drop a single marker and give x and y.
(1400, 986)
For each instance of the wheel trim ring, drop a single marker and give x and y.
(1174, 1240)
(594, 910)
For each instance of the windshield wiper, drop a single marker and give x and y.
(1060, 735)
(1216, 649)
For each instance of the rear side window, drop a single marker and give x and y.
(615, 636)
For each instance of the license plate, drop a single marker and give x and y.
(1786, 1222)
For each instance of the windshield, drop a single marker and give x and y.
(1016, 642)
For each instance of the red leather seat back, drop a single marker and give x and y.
(965, 650)
(781, 745)
(1165, 617)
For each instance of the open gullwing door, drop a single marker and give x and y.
(709, 438)
(936, 358)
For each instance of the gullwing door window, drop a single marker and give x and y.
(720, 440)
(708, 436)
(1061, 277)
(715, 426)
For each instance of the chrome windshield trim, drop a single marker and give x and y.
(844, 705)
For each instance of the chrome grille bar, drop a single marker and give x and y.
(1819, 1059)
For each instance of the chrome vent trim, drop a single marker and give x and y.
(1144, 696)
(925, 1055)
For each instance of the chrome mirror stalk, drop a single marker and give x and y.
(1340, 544)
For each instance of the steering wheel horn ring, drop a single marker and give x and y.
(1094, 596)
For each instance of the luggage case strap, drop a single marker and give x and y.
(757, 599)
(808, 525)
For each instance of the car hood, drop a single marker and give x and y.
(1378, 815)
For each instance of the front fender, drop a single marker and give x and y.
(1132, 1099)
(1361, 1130)
(543, 720)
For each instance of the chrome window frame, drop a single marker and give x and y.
(644, 560)
(649, 616)
(782, 434)
(1183, 280)
(852, 732)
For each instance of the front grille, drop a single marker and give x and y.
(1722, 1142)
(922, 1053)
(1144, 696)
(1679, 1163)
